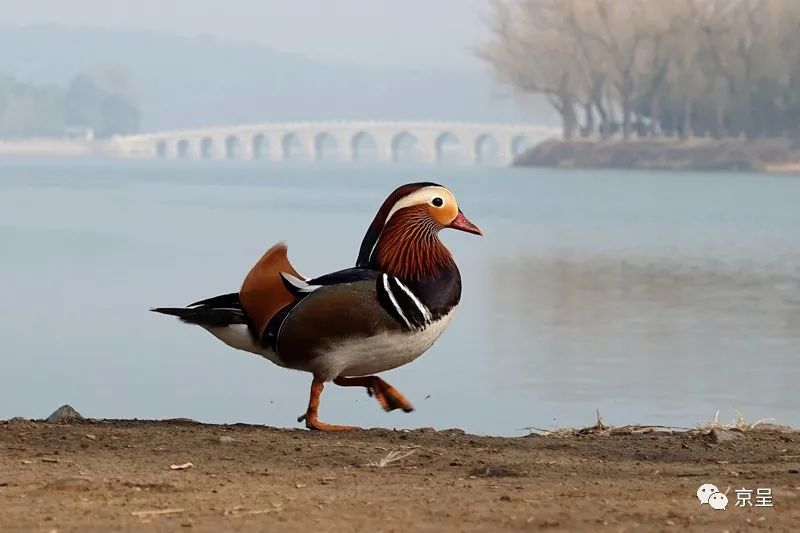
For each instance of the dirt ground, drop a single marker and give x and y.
(117, 476)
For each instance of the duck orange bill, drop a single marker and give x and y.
(462, 223)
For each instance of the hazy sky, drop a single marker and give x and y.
(373, 32)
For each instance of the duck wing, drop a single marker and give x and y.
(345, 307)
(264, 292)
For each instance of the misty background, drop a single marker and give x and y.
(656, 297)
(187, 64)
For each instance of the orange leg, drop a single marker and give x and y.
(389, 397)
(310, 416)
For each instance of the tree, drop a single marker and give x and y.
(28, 110)
(719, 67)
(529, 56)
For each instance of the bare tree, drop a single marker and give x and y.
(530, 56)
(723, 67)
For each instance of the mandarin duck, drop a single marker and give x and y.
(348, 325)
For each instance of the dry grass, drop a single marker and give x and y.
(738, 423)
(601, 428)
(391, 457)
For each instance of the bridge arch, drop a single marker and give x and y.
(355, 140)
(183, 149)
(364, 147)
(207, 148)
(519, 143)
(259, 146)
(486, 149)
(325, 147)
(233, 147)
(291, 147)
(405, 147)
(161, 149)
(448, 147)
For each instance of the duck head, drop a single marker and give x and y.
(403, 238)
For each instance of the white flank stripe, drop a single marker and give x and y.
(426, 314)
(299, 284)
(394, 301)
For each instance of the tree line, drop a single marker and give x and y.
(29, 110)
(722, 68)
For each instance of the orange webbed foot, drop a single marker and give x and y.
(389, 397)
(310, 416)
(314, 424)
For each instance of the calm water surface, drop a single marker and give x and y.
(653, 297)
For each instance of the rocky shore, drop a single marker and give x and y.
(771, 155)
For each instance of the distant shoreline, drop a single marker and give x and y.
(783, 168)
(46, 147)
(774, 156)
(761, 155)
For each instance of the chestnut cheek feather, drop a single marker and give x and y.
(442, 215)
(409, 247)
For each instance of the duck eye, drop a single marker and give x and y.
(437, 202)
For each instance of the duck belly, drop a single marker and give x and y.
(378, 353)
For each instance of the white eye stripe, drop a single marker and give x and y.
(424, 195)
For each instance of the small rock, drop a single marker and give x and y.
(225, 439)
(64, 415)
(90, 436)
(725, 435)
(505, 498)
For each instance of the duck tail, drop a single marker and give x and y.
(219, 311)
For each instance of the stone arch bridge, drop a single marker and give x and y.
(428, 142)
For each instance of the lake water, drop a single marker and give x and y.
(653, 297)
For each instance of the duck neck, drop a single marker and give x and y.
(409, 248)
